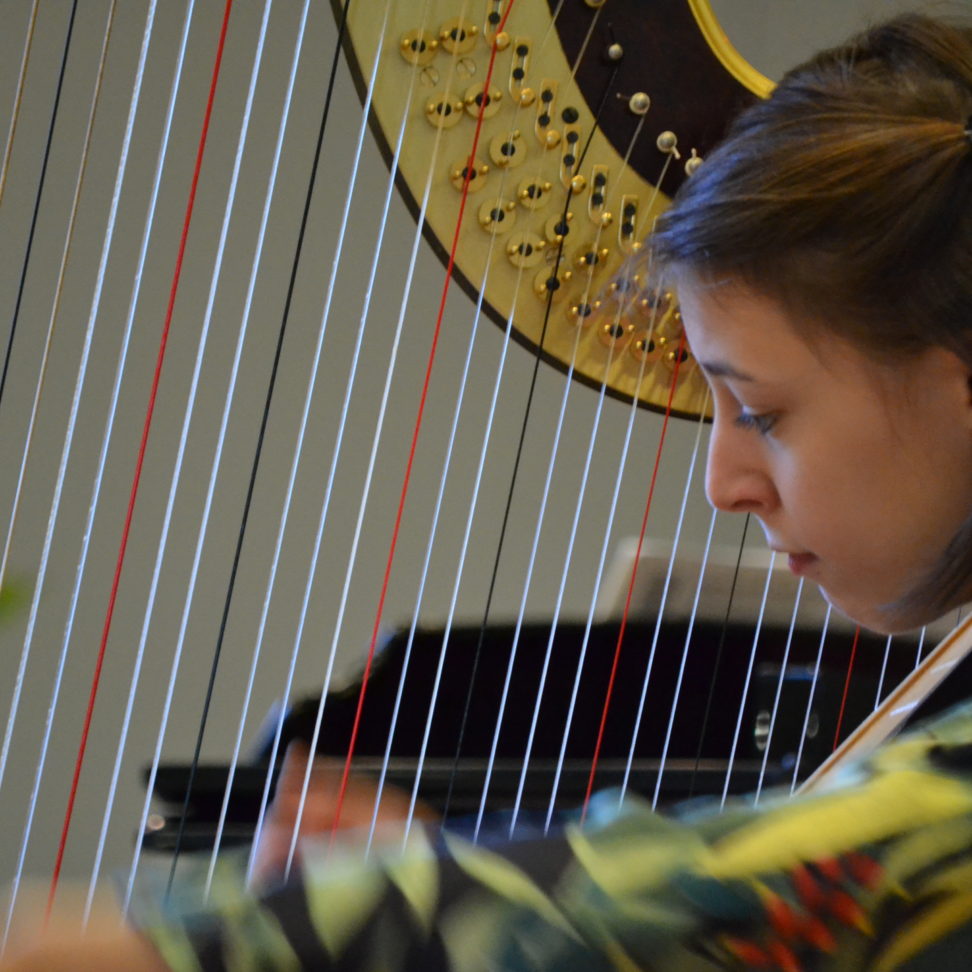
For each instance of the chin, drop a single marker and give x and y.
(888, 618)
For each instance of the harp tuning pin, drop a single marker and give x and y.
(692, 163)
(667, 142)
(614, 334)
(615, 52)
(581, 311)
(418, 47)
(639, 103)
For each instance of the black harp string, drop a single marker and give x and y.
(527, 411)
(32, 424)
(55, 313)
(264, 420)
(42, 181)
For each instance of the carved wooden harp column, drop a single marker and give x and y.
(221, 327)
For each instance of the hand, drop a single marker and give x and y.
(67, 944)
(320, 813)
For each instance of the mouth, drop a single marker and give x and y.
(800, 563)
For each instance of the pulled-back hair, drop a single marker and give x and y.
(847, 197)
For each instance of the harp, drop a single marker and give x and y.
(221, 324)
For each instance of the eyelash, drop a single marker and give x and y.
(762, 423)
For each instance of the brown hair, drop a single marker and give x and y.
(847, 196)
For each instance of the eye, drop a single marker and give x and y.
(762, 422)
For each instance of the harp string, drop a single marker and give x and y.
(511, 488)
(437, 678)
(437, 681)
(548, 653)
(176, 475)
(278, 729)
(177, 467)
(271, 386)
(658, 622)
(631, 583)
(35, 601)
(433, 531)
(369, 479)
(95, 305)
(418, 423)
(25, 653)
(710, 696)
(808, 713)
(599, 574)
(18, 97)
(684, 660)
(921, 645)
(247, 307)
(96, 301)
(884, 670)
(572, 537)
(153, 393)
(531, 564)
(847, 684)
(585, 640)
(779, 691)
(42, 182)
(749, 674)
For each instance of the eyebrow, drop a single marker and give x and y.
(720, 369)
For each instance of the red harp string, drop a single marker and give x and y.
(447, 283)
(136, 480)
(631, 583)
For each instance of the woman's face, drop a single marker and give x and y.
(860, 473)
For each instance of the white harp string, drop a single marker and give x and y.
(136, 290)
(462, 559)
(177, 467)
(531, 564)
(809, 712)
(884, 671)
(247, 308)
(592, 605)
(295, 462)
(693, 614)
(749, 675)
(379, 425)
(780, 681)
(42, 573)
(660, 615)
(434, 530)
(572, 537)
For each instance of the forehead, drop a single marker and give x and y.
(745, 337)
(740, 335)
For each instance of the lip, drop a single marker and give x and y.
(800, 563)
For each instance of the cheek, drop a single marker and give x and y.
(838, 502)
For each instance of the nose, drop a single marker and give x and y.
(737, 479)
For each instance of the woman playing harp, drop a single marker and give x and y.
(823, 259)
